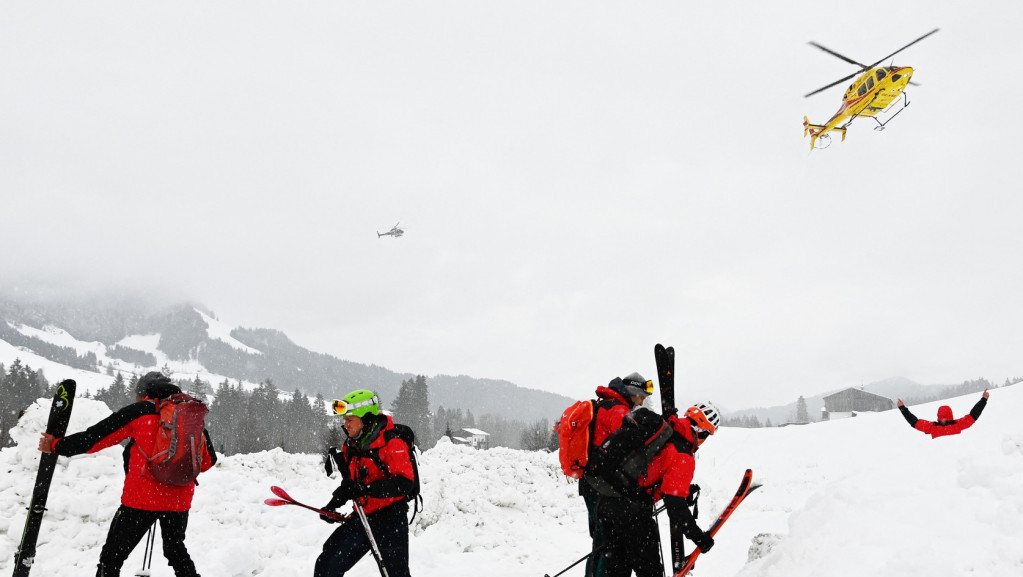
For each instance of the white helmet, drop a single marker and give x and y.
(705, 416)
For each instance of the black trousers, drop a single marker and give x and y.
(349, 543)
(596, 564)
(128, 528)
(633, 542)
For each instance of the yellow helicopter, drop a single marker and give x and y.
(875, 90)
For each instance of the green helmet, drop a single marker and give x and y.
(358, 403)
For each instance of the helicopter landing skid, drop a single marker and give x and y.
(881, 125)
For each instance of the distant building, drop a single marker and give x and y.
(847, 403)
(475, 438)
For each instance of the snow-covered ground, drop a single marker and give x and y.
(862, 496)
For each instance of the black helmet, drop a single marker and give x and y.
(156, 385)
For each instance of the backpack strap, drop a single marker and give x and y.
(636, 464)
(397, 485)
(682, 444)
(597, 406)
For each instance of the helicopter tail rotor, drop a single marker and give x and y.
(820, 137)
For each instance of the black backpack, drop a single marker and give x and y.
(625, 456)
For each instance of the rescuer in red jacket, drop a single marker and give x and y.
(143, 499)
(626, 509)
(378, 474)
(614, 402)
(946, 424)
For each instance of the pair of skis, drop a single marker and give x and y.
(56, 425)
(682, 564)
(665, 359)
(746, 486)
(286, 499)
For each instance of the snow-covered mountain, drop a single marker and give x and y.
(89, 341)
(863, 496)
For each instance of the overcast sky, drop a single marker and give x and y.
(577, 181)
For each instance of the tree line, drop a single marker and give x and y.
(244, 420)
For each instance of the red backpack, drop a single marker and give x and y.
(575, 431)
(177, 452)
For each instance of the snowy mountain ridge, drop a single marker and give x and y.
(87, 340)
(845, 498)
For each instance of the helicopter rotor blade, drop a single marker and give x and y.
(839, 81)
(862, 67)
(880, 60)
(837, 55)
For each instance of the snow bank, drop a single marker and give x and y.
(863, 495)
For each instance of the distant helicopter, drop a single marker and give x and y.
(864, 97)
(395, 231)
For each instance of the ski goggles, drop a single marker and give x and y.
(341, 407)
(647, 386)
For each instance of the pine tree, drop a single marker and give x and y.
(224, 419)
(402, 409)
(19, 389)
(421, 422)
(802, 415)
(200, 389)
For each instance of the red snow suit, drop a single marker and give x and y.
(609, 418)
(946, 424)
(138, 421)
(363, 469)
(671, 470)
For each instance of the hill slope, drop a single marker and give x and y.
(86, 339)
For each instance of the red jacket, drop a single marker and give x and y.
(946, 424)
(671, 470)
(363, 469)
(138, 421)
(609, 419)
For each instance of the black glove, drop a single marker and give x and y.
(344, 492)
(694, 492)
(349, 490)
(332, 507)
(704, 541)
(331, 457)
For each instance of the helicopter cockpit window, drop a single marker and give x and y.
(862, 90)
(880, 74)
(870, 83)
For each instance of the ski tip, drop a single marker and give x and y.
(275, 502)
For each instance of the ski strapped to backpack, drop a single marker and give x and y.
(665, 359)
(575, 435)
(177, 451)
